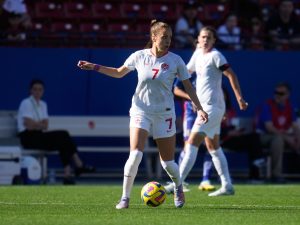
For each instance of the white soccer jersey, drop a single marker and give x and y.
(209, 77)
(30, 109)
(153, 93)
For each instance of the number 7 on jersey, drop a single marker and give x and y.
(155, 72)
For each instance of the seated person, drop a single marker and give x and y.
(33, 125)
(278, 128)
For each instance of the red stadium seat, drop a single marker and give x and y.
(63, 27)
(134, 10)
(77, 10)
(119, 27)
(49, 10)
(214, 12)
(164, 11)
(143, 27)
(40, 27)
(93, 34)
(105, 10)
(90, 27)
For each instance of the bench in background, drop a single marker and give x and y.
(96, 127)
(111, 128)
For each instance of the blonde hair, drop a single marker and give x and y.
(155, 26)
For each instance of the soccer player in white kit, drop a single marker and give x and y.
(209, 65)
(152, 106)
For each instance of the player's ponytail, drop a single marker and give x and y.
(154, 27)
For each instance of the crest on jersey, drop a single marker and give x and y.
(164, 66)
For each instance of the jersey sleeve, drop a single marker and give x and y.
(220, 61)
(191, 66)
(182, 72)
(130, 62)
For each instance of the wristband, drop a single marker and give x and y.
(96, 67)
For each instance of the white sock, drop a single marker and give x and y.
(181, 156)
(221, 166)
(130, 171)
(188, 161)
(172, 170)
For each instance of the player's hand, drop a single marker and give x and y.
(243, 104)
(85, 65)
(202, 115)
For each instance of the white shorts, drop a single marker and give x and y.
(160, 126)
(213, 126)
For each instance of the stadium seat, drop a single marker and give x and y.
(90, 27)
(49, 10)
(120, 27)
(164, 11)
(105, 10)
(134, 10)
(143, 27)
(142, 36)
(92, 34)
(77, 10)
(62, 27)
(40, 27)
(214, 12)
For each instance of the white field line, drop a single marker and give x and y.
(297, 207)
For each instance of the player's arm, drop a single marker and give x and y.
(229, 73)
(109, 71)
(188, 87)
(181, 93)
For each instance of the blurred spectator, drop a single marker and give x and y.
(284, 28)
(278, 128)
(16, 20)
(254, 35)
(187, 27)
(229, 33)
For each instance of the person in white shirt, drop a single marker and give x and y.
(152, 107)
(229, 33)
(33, 131)
(209, 65)
(187, 26)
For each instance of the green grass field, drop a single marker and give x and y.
(95, 204)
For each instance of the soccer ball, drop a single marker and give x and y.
(153, 194)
